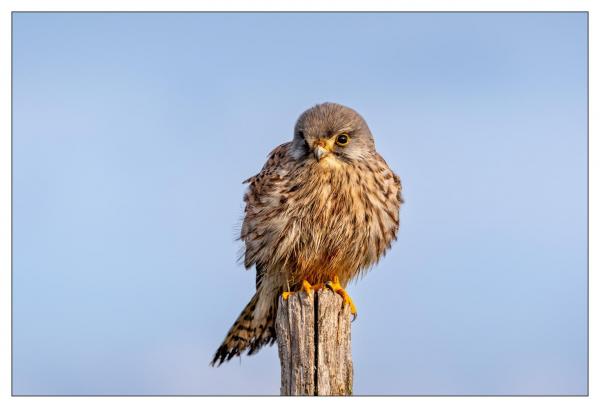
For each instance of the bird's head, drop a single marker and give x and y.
(329, 132)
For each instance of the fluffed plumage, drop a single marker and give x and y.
(325, 204)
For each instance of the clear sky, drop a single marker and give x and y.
(132, 134)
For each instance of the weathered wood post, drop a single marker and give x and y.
(313, 336)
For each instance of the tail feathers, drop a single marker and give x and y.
(250, 332)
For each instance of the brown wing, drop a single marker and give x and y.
(261, 198)
(397, 180)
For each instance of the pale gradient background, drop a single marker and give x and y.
(133, 132)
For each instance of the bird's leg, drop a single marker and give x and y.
(314, 288)
(337, 288)
(286, 294)
(306, 287)
(318, 286)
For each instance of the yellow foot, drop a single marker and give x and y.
(306, 287)
(337, 288)
(318, 286)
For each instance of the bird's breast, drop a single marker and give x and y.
(334, 223)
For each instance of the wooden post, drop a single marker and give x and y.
(313, 336)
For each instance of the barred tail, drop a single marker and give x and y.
(254, 328)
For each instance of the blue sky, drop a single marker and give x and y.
(132, 134)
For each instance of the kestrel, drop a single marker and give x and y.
(323, 209)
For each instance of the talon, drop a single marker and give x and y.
(286, 295)
(337, 288)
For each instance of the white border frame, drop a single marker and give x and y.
(6, 8)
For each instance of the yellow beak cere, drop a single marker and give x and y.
(323, 147)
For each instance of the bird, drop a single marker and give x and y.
(323, 210)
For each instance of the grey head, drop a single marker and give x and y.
(330, 131)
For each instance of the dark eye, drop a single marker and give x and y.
(301, 134)
(342, 139)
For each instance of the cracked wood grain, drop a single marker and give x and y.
(314, 341)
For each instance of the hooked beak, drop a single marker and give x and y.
(321, 149)
(320, 152)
